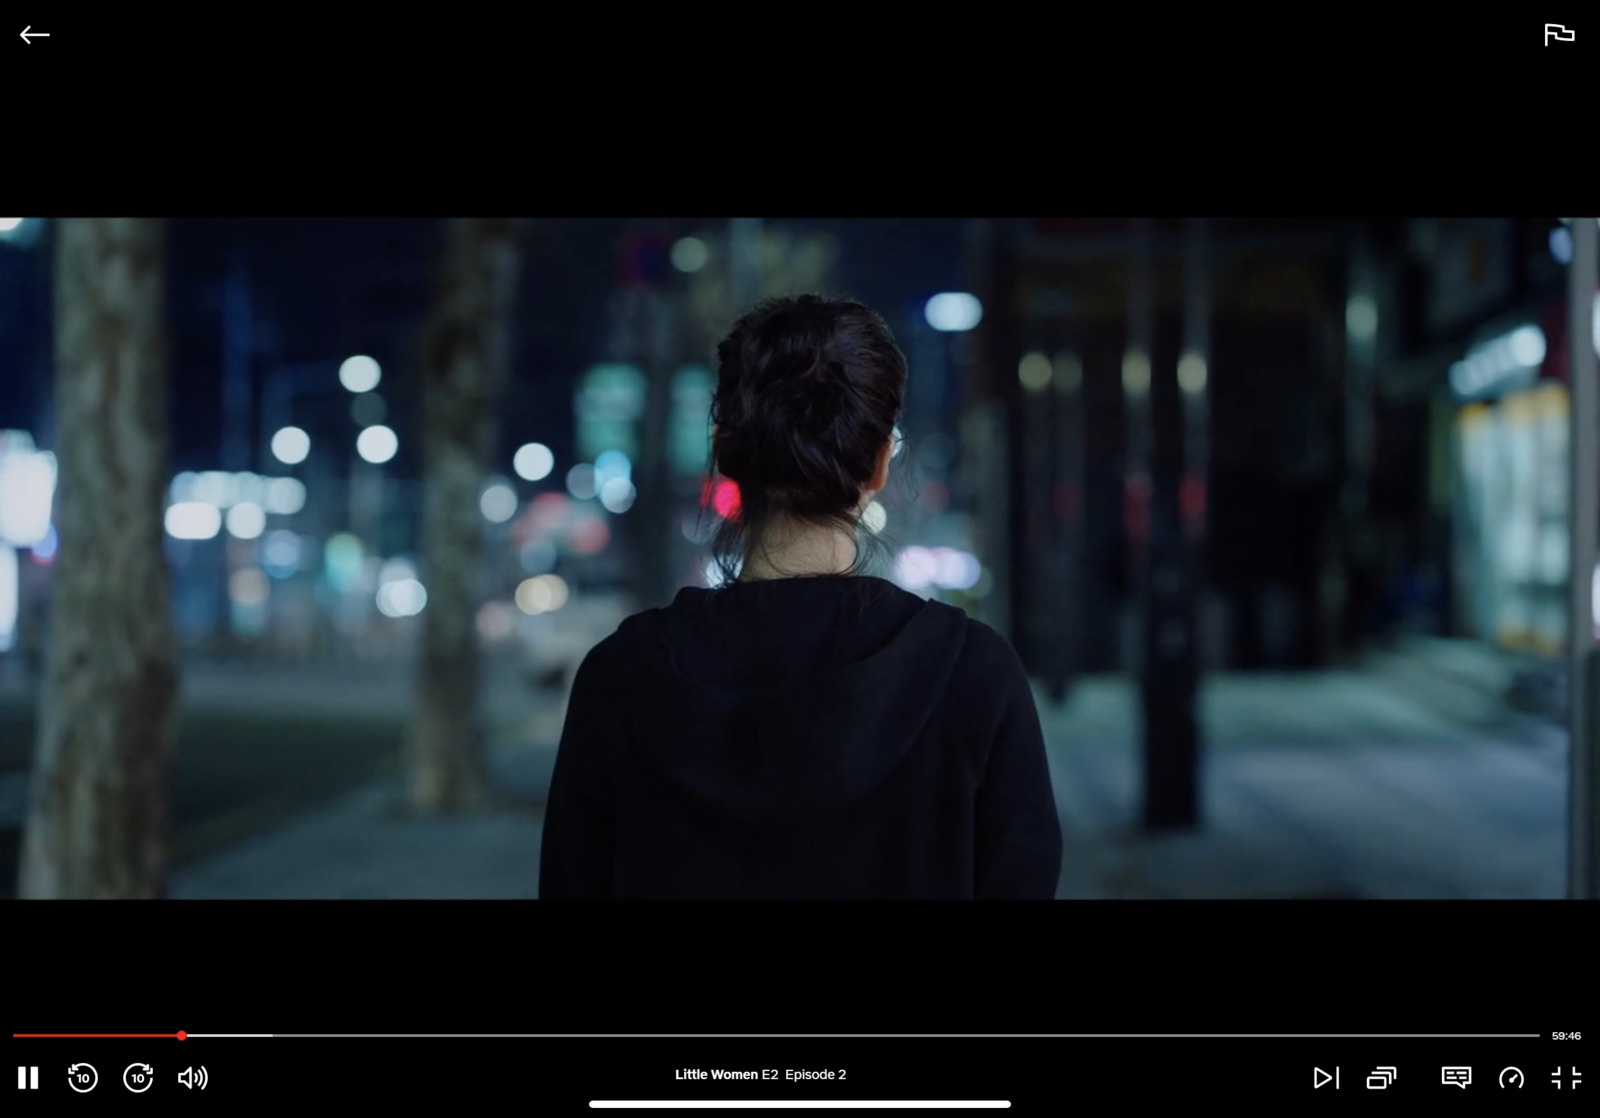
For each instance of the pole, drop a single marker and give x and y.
(1364, 327)
(1067, 502)
(274, 406)
(1194, 381)
(1037, 567)
(1171, 737)
(237, 346)
(920, 388)
(744, 262)
(985, 438)
(1136, 379)
(653, 508)
(1007, 360)
(1361, 356)
(1584, 859)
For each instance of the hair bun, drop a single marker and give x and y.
(822, 395)
(808, 390)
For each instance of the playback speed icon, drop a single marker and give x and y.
(194, 1078)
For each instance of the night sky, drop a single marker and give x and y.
(323, 290)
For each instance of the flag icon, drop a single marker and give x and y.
(1559, 34)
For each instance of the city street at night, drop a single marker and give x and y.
(1286, 525)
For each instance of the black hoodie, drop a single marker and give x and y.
(801, 738)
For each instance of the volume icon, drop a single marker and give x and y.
(193, 1078)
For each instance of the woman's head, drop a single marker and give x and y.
(803, 420)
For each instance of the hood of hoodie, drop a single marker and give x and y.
(777, 701)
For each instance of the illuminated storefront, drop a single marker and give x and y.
(1512, 434)
(1512, 518)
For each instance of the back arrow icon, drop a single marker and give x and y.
(29, 34)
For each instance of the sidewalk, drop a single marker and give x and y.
(369, 846)
(1338, 784)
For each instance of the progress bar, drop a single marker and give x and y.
(799, 1104)
(779, 1036)
(925, 1036)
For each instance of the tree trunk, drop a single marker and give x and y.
(464, 373)
(98, 815)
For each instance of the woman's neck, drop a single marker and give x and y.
(789, 551)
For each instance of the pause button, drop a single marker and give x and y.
(27, 1079)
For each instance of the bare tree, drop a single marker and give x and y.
(465, 369)
(98, 818)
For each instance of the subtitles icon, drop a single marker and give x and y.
(1380, 1079)
(1559, 34)
(1459, 1077)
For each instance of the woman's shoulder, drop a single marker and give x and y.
(987, 647)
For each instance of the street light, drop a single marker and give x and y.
(27, 494)
(1361, 318)
(954, 312)
(617, 494)
(360, 374)
(377, 445)
(690, 254)
(246, 521)
(1136, 372)
(1034, 372)
(1192, 373)
(291, 445)
(193, 520)
(533, 462)
(21, 231)
(498, 503)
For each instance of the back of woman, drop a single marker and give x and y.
(804, 730)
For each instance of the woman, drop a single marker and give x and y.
(803, 731)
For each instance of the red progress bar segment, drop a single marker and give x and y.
(99, 1036)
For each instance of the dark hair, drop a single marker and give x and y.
(808, 393)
